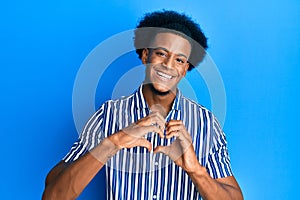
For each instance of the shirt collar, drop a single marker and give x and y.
(140, 101)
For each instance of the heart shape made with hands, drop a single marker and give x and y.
(173, 128)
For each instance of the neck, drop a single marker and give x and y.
(154, 98)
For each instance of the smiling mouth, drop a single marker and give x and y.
(164, 76)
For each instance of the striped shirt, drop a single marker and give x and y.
(135, 173)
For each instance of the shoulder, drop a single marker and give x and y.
(187, 102)
(195, 110)
(115, 103)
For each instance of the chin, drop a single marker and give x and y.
(160, 90)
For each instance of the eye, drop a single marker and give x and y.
(161, 54)
(180, 61)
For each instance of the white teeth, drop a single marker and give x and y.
(164, 75)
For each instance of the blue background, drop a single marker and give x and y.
(255, 45)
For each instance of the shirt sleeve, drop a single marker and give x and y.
(218, 165)
(89, 137)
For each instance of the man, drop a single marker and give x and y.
(155, 143)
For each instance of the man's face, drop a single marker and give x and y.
(166, 61)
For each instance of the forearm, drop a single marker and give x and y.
(70, 182)
(211, 189)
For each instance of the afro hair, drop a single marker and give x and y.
(171, 21)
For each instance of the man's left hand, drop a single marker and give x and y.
(181, 151)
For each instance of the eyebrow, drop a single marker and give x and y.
(164, 49)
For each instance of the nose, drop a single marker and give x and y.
(168, 62)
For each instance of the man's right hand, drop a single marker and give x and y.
(133, 135)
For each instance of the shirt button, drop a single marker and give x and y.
(154, 196)
(156, 163)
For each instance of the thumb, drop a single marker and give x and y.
(162, 149)
(143, 142)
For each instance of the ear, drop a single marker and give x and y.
(186, 68)
(145, 55)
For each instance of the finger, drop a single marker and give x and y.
(156, 122)
(159, 108)
(137, 131)
(174, 122)
(159, 116)
(173, 131)
(177, 126)
(152, 119)
(162, 149)
(142, 142)
(155, 129)
(173, 153)
(159, 124)
(156, 118)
